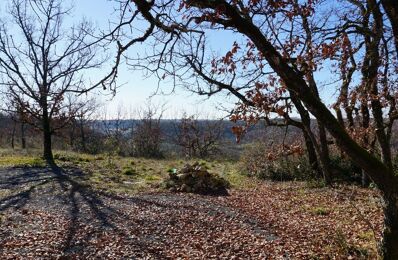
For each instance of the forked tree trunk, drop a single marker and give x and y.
(380, 173)
(321, 152)
(322, 161)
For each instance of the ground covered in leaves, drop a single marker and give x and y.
(53, 213)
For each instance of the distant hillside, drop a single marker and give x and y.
(168, 128)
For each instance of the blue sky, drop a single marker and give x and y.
(136, 89)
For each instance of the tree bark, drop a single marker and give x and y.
(371, 76)
(324, 154)
(47, 135)
(311, 154)
(380, 173)
(13, 136)
(391, 9)
(389, 245)
(83, 136)
(322, 157)
(365, 180)
(23, 139)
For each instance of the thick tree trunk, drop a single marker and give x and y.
(311, 154)
(389, 245)
(365, 181)
(365, 124)
(321, 157)
(47, 148)
(391, 9)
(380, 173)
(324, 154)
(47, 135)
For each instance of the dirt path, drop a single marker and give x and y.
(46, 213)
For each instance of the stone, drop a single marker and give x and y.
(194, 178)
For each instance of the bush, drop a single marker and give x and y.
(196, 179)
(129, 171)
(255, 162)
(344, 169)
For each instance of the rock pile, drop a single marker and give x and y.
(196, 179)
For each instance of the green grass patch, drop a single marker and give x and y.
(74, 157)
(129, 171)
(21, 161)
(123, 174)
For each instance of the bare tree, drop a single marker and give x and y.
(115, 129)
(147, 135)
(198, 138)
(19, 120)
(41, 62)
(81, 111)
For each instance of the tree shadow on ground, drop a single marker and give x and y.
(91, 214)
(59, 191)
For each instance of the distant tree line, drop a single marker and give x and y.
(147, 135)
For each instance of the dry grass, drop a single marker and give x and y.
(123, 174)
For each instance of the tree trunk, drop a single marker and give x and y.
(13, 136)
(71, 138)
(23, 139)
(47, 134)
(324, 154)
(365, 124)
(389, 245)
(311, 154)
(380, 173)
(391, 9)
(365, 181)
(321, 155)
(83, 136)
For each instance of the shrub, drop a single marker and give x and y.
(315, 184)
(344, 169)
(255, 162)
